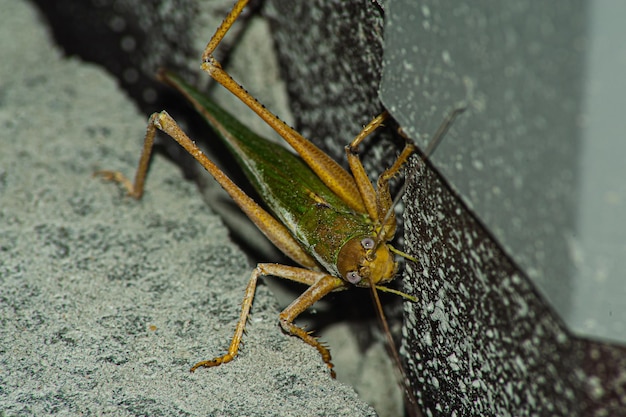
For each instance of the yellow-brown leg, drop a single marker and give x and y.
(221, 31)
(377, 201)
(366, 189)
(319, 283)
(383, 196)
(275, 231)
(328, 170)
(246, 304)
(135, 189)
(384, 202)
(323, 286)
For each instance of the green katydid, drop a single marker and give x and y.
(331, 222)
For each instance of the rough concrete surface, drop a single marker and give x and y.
(106, 302)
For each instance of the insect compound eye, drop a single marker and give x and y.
(353, 277)
(368, 243)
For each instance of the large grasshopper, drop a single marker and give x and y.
(335, 224)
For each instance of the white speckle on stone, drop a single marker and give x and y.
(531, 400)
(439, 314)
(453, 361)
(521, 365)
(427, 339)
(445, 56)
(595, 384)
(523, 307)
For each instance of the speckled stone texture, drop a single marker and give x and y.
(481, 341)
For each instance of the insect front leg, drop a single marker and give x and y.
(324, 285)
(366, 189)
(377, 201)
(383, 195)
(319, 283)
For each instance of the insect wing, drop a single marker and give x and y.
(317, 217)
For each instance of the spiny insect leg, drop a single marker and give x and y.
(246, 304)
(275, 231)
(135, 189)
(328, 170)
(324, 285)
(319, 283)
(383, 196)
(366, 189)
(223, 28)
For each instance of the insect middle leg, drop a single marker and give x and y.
(319, 283)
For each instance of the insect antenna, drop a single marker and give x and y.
(430, 149)
(411, 402)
